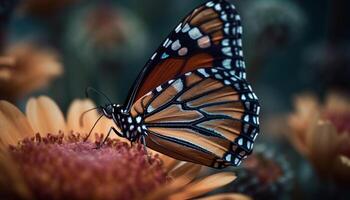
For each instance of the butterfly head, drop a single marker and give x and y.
(110, 109)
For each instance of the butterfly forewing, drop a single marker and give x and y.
(207, 116)
(209, 36)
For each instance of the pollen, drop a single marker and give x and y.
(60, 167)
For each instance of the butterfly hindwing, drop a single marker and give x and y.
(211, 35)
(206, 116)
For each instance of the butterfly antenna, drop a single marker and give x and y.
(81, 122)
(88, 89)
(92, 128)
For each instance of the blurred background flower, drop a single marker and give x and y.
(271, 26)
(321, 133)
(266, 174)
(42, 8)
(103, 41)
(25, 68)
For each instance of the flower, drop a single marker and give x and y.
(106, 31)
(43, 156)
(44, 9)
(266, 174)
(25, 68)
(274, 22)
(321, 133)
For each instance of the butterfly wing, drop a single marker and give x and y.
(209, 36)
(207, 116)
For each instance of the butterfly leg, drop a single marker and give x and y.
(143, 142)
(104, 141)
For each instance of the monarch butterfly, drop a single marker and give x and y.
(191, 101)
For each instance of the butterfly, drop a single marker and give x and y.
(191, 101)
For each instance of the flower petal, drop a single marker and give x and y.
(11, 181)
(184, 169)
(205, 185)
(227, 196)
(45, 116)
(322, 140)
(75, 110)
(183, 174)
(14, 125)
(168, 162)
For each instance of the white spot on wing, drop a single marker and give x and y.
(227, 63)
(186, 28)
(210, 4)
(154, 55)
(178, 28)
(202, 71)
(176, 45)
(218, 7)
(225, 42)
(236, 161)
(165, 42)
(183, 51)
(204, 42)
(194, 33)
(240, 141)
(227, 51)
(228, 157)
(150, 109)
(178, 85)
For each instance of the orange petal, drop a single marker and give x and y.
(205, 185)
(169, 163)
(14, 125)
(181, 175)
(341, 169)
(11, 180)
(185, 169)
(45, 116)
(77, 108)
(336, 102)
(168, 189)
(227, 196)
(75, 111)
(322, 142)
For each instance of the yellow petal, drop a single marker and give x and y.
(14, 126)
(205, 185)
(227, 196)
(45, 116)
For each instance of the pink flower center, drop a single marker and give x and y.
(59, 167)
(341, 120)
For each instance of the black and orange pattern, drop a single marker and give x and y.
(192, 101)
(210, 36)
(200, 118)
